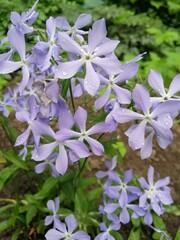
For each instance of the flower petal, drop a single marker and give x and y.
(9, 66)
(80, 118)
(174, 86)
(137, 137)
(68, 69)
(102, 100)
(141, 98)
(83, 20)
(91, 81)
(155, 80)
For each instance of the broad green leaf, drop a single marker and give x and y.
(15, 235)
(135, 234)
(47, 188)
(68, 190)
(95, 194)
(12, 157)
(32, 210)
(173, 209)
(117, 235)
(81, 203)
(158, 222)
(4, 225)
(85, 182)
(177, 234)
(7, 173)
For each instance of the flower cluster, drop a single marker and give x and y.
(68, 62)
(60, 229)
(123, 201)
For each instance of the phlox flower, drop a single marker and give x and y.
(17, 41)
(24, 21)
(75, 31)
(155, 80)
(141, 98)
(54, 207)
(95, 53)
(66, 231)
(155, 193)
(112, 85)
(106, 235)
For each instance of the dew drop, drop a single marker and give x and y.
(64, 73)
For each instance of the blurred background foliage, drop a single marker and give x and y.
(151, 26)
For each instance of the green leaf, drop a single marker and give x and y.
(116, 235)
(32, 210)
(47, 188)
(92, 3)
(4, 225)
(15, 235)
(85, 182)
(94, 194)
(68, 190)
(136, 222)
(7, 173)
(135, 234)
(12, 157)
(158, 222)
(173, 209)
(81, 203)
(177, 234)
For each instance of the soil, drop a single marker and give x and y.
(166, 162)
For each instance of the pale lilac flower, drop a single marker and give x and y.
(80, 118)
(106, 235)
(75, 32)
(24, 21)
(111, 83)
(124, 216)
(17, 41)
(110, 164)
(76, 146)
(49, 162)
(155, 80)
(54, 207)
(35, 125)
(142, 102)
(66, 231)
(95, 53)
(43, 51)
(122, 190)
(155, 193)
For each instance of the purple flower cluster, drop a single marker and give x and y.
(38, 102)
(123, 201)
(60, 229)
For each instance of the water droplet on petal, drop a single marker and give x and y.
(64, 73)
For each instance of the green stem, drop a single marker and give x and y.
(72, 99)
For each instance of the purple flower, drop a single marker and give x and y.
(36, 126)
(66, 231)
(142, 102)
(95, 53)
(54, 207)
(105, 235)
(17, 41)
(112, 85)
(49, 162)
(61, 142)
(155, 80)
(80, 118)
(23, 22)
(155, 195)
(75, 32)
(124, 215)
(122, 190)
